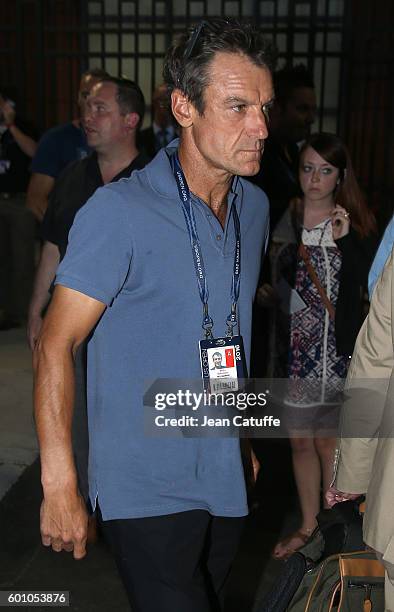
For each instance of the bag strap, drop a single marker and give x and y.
(315, 280)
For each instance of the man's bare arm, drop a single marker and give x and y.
(40, 186)
(25, 142)
(44, 277)
(70, 318)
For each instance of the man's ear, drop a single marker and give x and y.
(132, 120)
(182, 109)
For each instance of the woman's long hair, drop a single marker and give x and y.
(348, 193)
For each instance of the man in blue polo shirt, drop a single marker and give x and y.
(172, 507)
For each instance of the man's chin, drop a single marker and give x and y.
(91, 141)
(250, 169)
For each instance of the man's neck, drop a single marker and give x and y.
(210, 184)
(113, 161)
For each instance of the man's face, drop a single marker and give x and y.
(217, 361)
(161, 113)
(231, 131)
(299, 114)
(103, 121)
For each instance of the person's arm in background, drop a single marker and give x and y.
(25, 143)
(49, 261)
(40, 297)
(40, 186)
(45, 167)
(381, 256)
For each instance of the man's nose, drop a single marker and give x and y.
(259, 127)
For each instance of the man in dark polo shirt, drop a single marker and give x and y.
(58, 147)
(114, 111)
(114, 156)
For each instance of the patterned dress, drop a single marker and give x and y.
(303, 342)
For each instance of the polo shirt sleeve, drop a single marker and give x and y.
(47, 157)
(99, 252)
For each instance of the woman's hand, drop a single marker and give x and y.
(340, 220)
(333, 496)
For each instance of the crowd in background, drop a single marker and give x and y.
(313, 294)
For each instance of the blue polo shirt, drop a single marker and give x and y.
(129, 248)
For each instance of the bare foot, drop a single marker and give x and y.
(286, 547)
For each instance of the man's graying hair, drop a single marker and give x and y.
(187, 62)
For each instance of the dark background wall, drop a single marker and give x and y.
(347, 44)
(368, 99)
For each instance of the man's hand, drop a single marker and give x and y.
(64, 523)
(333, 496)
(255, 465)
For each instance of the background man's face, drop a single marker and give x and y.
(299, 114)
(162, 115)
(231, 131)
(104, 123)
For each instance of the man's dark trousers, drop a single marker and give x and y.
(174, 563)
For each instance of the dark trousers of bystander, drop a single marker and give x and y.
(174, 563)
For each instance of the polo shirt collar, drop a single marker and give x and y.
(93, 169)
(162, 180)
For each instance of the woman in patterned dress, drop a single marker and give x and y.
(321, 252)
